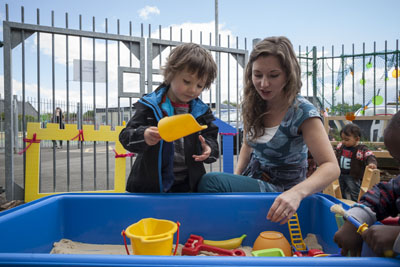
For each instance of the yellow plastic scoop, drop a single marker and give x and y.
(174, 127)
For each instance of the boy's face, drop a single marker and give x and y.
(349, 140)
(185, 87)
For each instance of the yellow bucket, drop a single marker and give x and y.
(151, 236)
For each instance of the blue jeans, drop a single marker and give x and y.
(220, 182)
(349, 186)
(279, 180)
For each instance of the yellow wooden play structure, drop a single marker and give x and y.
(371, 177)
(35, 134)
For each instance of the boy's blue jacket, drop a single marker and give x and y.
(152, 170)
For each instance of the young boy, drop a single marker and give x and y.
(352, 158)
(177, 166)
(382, 201)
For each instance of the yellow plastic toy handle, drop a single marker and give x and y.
(363, 227)
(177, 126)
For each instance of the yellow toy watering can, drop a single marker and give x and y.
(177, 126)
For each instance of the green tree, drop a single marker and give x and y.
(342, 109)
(88, 114)
(233, 104)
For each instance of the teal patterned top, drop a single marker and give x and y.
(287, 146)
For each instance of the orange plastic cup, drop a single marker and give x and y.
(273, 239)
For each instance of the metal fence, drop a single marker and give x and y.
(365, 83)
(107, 72)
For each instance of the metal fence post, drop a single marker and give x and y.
(314, 75)
(9, 140)
(15, 122)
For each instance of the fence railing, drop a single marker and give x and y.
(80, 66)
(352, 82)
(111, 70)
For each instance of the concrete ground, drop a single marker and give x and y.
(78, 179)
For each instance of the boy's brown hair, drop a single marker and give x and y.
(195, 59)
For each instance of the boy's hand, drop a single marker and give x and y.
(151, 136)
(206, 150)
(381, 238)
(348, 239)
(372, 166)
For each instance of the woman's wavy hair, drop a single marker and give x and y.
(253, 106)
(195, 59)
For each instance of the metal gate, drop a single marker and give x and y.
(73, 78)
(15, 35)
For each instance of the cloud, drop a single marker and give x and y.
(2, 17)
(204, 33)
(145, 12)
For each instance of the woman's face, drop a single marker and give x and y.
(268, 77)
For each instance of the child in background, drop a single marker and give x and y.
(382, 201)
(173, 166)
(352, 158)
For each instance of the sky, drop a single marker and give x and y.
(306, 23)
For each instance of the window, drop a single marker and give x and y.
(375, 135)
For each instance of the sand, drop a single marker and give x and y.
(66, 246)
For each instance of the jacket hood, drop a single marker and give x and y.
(152, 100)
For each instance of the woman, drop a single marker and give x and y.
(279, 128)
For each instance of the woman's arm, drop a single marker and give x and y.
(328, 170)
(244, 157)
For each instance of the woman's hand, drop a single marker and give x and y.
(284, 206)
(151, 136)
(206, 150)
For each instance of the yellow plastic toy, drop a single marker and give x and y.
(227, 244)
(177, 126)
(151, 236)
